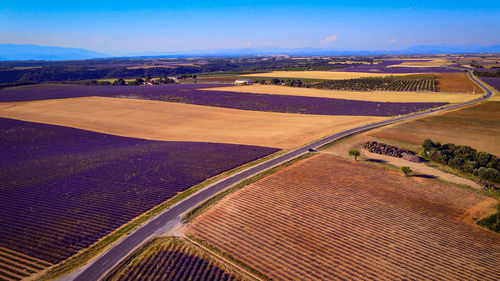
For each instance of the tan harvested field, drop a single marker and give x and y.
(326, 218)
(433, 63)
(457, 82)
(378, 96)
(322, 74)
(159, 120)
(477, 126)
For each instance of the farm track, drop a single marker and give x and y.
(325, 218)
(110, 258)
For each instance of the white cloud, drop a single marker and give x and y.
(330, 38)
(392, 41)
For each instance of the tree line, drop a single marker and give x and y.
(465, 158)
(391, 83)
(121, 68)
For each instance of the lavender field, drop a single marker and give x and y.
(286, 104)
(44, 92)
(190, 94)
(492, 81)
(64, 188)
(167, 258)
(382, 67)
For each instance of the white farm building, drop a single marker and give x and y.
(239, 82)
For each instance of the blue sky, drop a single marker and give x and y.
(120, 27)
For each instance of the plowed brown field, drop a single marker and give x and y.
(458, 83)
(325, 218)
(477, 126)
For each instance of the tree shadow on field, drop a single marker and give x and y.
(376, 160)
(424, 176)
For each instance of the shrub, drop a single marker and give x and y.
(488, 174)
(470, 166)
(407, 170)
(354, 153)
(482, 158)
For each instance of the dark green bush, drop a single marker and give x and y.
(464, 158)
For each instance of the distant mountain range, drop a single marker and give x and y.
(35, 52)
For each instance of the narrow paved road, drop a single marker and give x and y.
(110, 258)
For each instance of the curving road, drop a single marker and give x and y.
(167, 219)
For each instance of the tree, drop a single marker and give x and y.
(119, 82)
(428, 145)
(275, 81)
(406, 170)
(488, 174)
(482, 158)
(354, 153)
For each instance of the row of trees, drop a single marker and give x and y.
(487, 73)
(403, 83)
(391, 83)
(123, 82)
(114, 68)
(482, 164)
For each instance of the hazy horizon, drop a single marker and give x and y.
(118, 28)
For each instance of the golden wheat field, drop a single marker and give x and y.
(325, 218)
(436, 62)
(158, 120)
(378, 96)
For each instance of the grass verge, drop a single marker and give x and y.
(100, 246)
(214, 199)
(492, 222)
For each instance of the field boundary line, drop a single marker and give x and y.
(491, 88)
(205, 205)
(222, 260)
(136, 251)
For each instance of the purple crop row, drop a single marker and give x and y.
(188, 93)
(288, 104)
(64, 188)
(175, 265)
(492, 81)
(43, 92)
